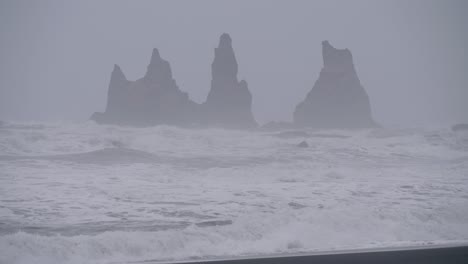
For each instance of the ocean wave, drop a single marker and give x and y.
(52, 139)
(243, 237)
(84, 193)
(36, 139)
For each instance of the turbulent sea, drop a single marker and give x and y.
(86, 193)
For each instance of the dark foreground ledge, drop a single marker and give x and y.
(447, 254)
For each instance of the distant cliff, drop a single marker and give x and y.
(156, 98)
(337, 99)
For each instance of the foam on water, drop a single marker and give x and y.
(283, 232)
(83, 193)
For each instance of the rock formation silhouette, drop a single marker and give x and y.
(337, 99)
(156, 98)
(229, 102)
(151, 100)
(303, 144)
(460, 127)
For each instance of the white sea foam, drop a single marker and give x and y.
(83, 193)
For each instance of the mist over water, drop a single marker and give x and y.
(168, 130)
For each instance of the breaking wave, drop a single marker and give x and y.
(245, 236)
(53, 139)
(87, 193)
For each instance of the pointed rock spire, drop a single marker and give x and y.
(336, 60)
(337, 99)
(155, 57)
(156, 98)
(225, 40)
(229, 102)
(158, 70)
(117, 74)
(116, 86)
(118, 78)
(224, 66)
(151, 100)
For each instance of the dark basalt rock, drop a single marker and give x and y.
(151, 100)
(460, 127)
(337, 99)
(303, 144)
(229, 102)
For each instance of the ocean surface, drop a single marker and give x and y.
(87, 193)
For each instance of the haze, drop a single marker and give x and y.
(56, 56)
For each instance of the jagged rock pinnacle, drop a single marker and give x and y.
(117, 73)
(158, 71)
(225, 40)
(151, 100)
(229, 102)
(337, 99)
(336, 60)
(156, 98)
(155, 57)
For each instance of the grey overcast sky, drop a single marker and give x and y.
(411, 55)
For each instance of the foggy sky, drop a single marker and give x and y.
(411, 56)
